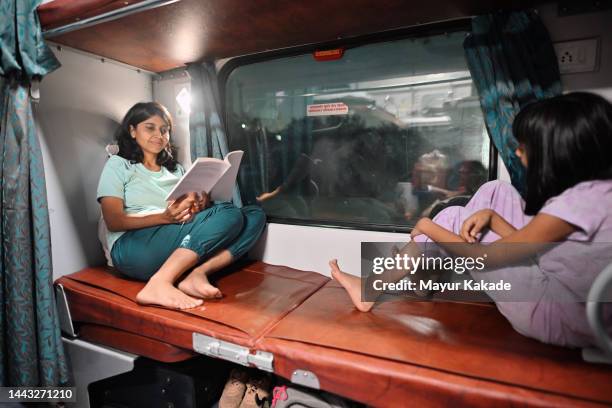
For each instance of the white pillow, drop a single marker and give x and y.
(102, 233)
(111, 150)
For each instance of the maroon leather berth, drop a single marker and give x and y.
(303, 324)
(464, 351)
(256, 297)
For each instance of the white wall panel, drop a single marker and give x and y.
(311, 248)
(578, 27)
(80, 106)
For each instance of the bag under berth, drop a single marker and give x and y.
(303, 327)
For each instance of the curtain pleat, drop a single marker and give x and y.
(512, 62)
(31, 349)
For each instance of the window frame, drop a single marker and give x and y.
(418, 31)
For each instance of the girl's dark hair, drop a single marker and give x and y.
(129, 149)
(568, 139)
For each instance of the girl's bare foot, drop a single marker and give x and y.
(196, 284)
(162, 293)
(352, 285)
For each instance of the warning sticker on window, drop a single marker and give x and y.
(325, 109)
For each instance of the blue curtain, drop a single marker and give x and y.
(31, 350)
(206, 128)
(513, 63)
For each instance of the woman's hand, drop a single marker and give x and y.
(202, 202)
(180, 210)
(474, 225)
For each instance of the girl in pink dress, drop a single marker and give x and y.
(565, 143)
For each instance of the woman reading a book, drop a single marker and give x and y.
(157, 241)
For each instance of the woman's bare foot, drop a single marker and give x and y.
(162, 293)
(196, 284)
(352, 285)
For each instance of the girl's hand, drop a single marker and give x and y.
(180, 210)
(201, 203)
(474, 224)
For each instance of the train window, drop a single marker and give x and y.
(374, 139)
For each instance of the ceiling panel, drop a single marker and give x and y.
(170, 36)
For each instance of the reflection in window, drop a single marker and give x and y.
(380, 137)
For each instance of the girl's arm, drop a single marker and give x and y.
(435, 232)
(500, 226)
(116, 219)
(541, 230)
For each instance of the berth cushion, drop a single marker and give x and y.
(468, 340)
(255, 298)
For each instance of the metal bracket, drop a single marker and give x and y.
(595, 355)
(63, 310)
(305, 378)
(232, 352)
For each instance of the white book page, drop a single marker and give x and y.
(202, 176)
(223, 190)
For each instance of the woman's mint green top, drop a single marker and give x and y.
(142, 190)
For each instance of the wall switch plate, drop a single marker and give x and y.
(577, 56)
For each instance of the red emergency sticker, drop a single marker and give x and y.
(325, 109)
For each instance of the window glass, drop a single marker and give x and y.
(378, 137)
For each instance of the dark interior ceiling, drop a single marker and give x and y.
(186, 31)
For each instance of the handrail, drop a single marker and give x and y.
(108, 16)
(595, 308)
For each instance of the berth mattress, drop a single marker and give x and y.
(401, 353)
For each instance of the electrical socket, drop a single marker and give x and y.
(577, 56)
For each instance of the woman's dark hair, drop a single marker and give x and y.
(568, 139)
(129, 149)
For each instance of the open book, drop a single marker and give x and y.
(215, 176)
